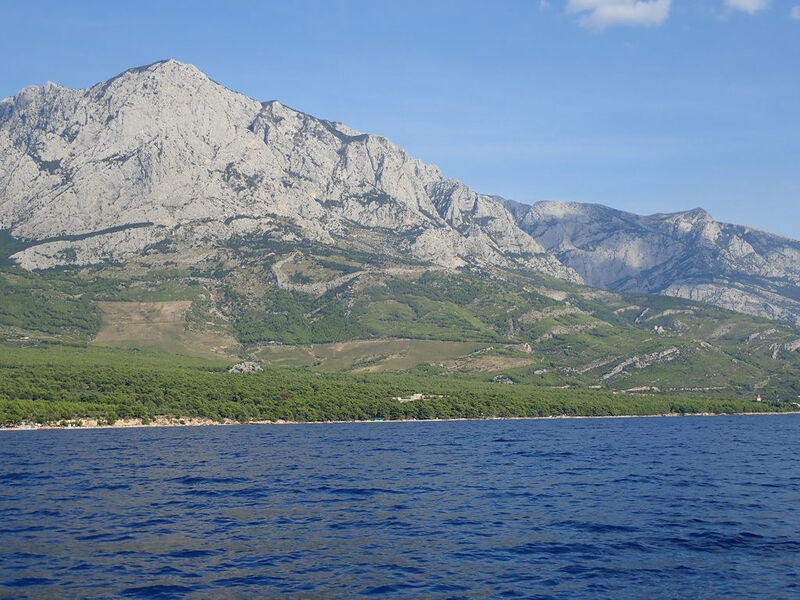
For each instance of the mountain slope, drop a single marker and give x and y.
(686, 254)
(189, 219)
(163, 153)
(163, 157)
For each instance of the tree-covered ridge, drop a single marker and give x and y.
(49, 303)
(54, 383)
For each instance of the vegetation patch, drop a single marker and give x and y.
(372, 356)
(160, 326)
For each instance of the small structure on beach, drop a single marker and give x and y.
(416, 396)
(410, 398)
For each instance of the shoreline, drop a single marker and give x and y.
(90, 424)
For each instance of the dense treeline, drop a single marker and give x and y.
(49, 303)
(55, 383)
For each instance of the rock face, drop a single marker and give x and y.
(164, 153)
(686, 254)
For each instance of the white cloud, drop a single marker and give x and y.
(795, 12)
(599, 14)
(749, 6)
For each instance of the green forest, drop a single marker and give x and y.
(51, 384)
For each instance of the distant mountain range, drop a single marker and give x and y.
(684, 254)
(162, 158)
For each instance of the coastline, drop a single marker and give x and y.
(90, 424)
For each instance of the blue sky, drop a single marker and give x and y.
(643, 105)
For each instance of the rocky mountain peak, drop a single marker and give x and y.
(695, 223)
(165, 149)
(167, 72)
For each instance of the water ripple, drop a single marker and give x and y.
(589, 509)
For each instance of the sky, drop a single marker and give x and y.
(643, 105)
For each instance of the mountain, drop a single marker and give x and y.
(160, 211)
(164, 153)
(685, 254)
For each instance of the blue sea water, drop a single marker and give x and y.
(694, 507)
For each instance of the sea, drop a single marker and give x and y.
(651, 508)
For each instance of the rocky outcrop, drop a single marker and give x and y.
(246, 367)
(686, 254)
(641, 362)
(165, 145)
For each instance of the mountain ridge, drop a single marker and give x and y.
(162, 156)
(684, 254)
(213, 155)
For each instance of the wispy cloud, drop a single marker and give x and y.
(599, 14)
(749, 6)
(795, 12)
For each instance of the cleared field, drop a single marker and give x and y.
(160, 326)
(486, 364)
(367, 356)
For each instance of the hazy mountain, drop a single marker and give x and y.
(684, 254)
